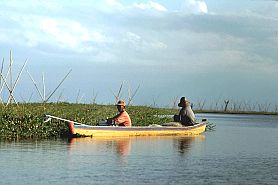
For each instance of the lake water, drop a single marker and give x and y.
(243, 149)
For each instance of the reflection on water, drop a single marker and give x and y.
(183, 145)
(124, 146)
(121, 146)
(242, 150)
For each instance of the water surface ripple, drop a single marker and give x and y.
(242, 150)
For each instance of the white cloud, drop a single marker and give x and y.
(195, 6)
(69, 33)
(150, 6)
(138, 43)
(159, 45)
(156, 39)
(132, 37)
(115, 4)
(56, 33)
(131, 33)
(61, 33)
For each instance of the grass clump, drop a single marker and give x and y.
(26, 120)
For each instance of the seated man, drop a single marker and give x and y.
(121, 119)
(186, 116)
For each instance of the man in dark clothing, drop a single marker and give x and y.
(186, 116)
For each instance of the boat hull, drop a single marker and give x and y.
(109, 131)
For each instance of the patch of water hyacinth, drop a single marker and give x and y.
(25, 121)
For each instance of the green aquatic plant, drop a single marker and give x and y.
(26, 120)
(210, 127)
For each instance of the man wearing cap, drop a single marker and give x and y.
(121, 119)
(186, 116)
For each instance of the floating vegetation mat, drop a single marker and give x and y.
(210, 127)
(25, 121)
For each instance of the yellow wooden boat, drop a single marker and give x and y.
(78, 129)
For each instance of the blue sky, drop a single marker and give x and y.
(206, 50)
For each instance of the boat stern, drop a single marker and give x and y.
(71, 128)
